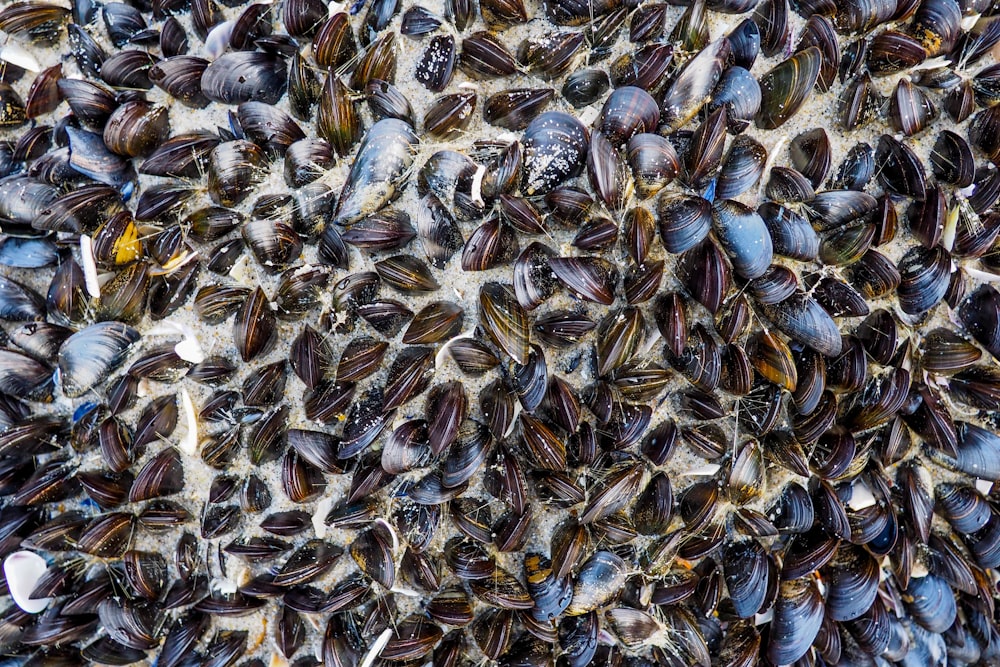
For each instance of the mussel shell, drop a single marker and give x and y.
(337, 119)
(802, 319)
(334, 43)
(932, 604)
(128, 69)
(609, 175)
(899, 169)
(653, 161)
(418, 21)
(437, 230)
(891, 51)
(741, 169)
(90, 156)
(980, 313)
(857, 169)
(182, 155)
(586, 86)
(775, 30)
(627, 111)
(505, 321)
(684, 221)
(910, 109)
(925, 276)
(785, 88)
(599, 580)
(976, 452)
(854, 575)
(372, 551)
(244, 76)
(811, 153)
(93, 103)
(747, 569)
(86, 357)
(791, 234)
(180, 76)
(377, 63)
(234, 167)
(744, 236)
(739, 92)
(485, 57)
(819, 32)
(268, 127)
(590, 278)
(387, 101)
(382, 161)
(705, 149)
(515, 108)
(555, 144)
(951, 160)
(136, 128)
(706, 274)
(798, 614)
(694, 85)
(963, 506)
(550, 55)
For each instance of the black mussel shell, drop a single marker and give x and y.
(739, 92)
(785, 88)
(484, 56)
(387, 101)
(802, 319)
(180, 76)
(550, 55)
(628, 111)
(791, 234)
(555, 145)
(653, 161)
(244, 76)
(798, 614)
(382, 161)
(86, 357)
(741, 169)
(90, 156)
(743, 235)
(952, 161)
(515, 108)
(183, 155)
(684, 221)
(136, 128)
(694, 85)
(891, 51)
(585, 87)
(899, 168)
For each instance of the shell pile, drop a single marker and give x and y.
(508, 332)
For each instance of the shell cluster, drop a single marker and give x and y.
(501, 332)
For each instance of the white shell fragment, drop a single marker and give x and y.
(319, 516)
(224, 586)
(188, 349)
(189, 444)
(17, 55)
(89, 266)
(706, 470)
(23, 569)
(218, 39)
(376, 648)
(477, 185)
(861, 497)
